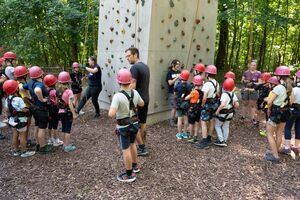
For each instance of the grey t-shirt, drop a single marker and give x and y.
(121, 103)
(140, 72)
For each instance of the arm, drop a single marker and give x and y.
(39, 94)
(236, 104)
(292, 98)
(133, 84)
(188, 97)
(204, 98)
(3, 79)
(112, 112)
(271, 99)
(92, 70)
(22, 90)
(71, 106)
(220, 108)
(172, 81)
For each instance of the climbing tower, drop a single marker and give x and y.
(162, 30)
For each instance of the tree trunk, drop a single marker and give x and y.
(286, 32)
(250, 52)
(235, 30)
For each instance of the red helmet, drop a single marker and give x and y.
(75, 65)
(282, 71)
(211, 69)
(50, 80)
(229, 75)
(20, 71)
(228, 84)
(124, 76)
(64, 77)
(2, 60)
(184, 75)
(266, 76)
(199, 67)
(273, 80)
(197, 80)
(298, 74)
(10, 86)
(35, 72)
(9, 55)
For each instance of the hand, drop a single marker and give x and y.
(216, 113)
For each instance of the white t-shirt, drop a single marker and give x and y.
(296, 92)
(226, 98)
(121, 104)
(210, 89)
(280, 91)
(18, 104)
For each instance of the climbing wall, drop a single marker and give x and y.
(162, 30)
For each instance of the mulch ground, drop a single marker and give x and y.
(173, 170)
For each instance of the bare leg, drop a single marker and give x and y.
(273, 145)
(23, 141)
(127, 158)
(41, 137)
(15, 139)
(204, 129)
(179, 124)
(133, 152)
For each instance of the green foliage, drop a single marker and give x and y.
(49, 32)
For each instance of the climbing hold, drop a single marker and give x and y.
(133, 35)
(118, 11)
(133, 14)
(129, 25)
(109, 61)
(194, 55)
(161, 60)
(203, 17)
(169, 45)
(111, 41)
(123, 31)
(162, 87)
(207, 49)
(118, 21)
(106, 65)
(113, 8)
(162, 21)
(198, 47)
(102, 33)
(111, 67)
(143, 2)
(169, 31)
(176, 23)
(112, 56)
(138, 40)
(200, 60)
(126, 19)
(106, 48)
(170, 16)
(182, 33)
(122, 42)
(136, 1)
(117, 32)
(184, 19)
(127, 10)
(118, 1)
(171, 3)
(197, 21)
(194, 40)
(207, 37)
(139, 29)
(202, 29)
(111, 29)
(105, 16)
(108, 74)
(175, 39)
(161, 38)
(183, 46)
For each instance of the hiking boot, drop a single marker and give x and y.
(17, 153)
(179, 136)
(142, 151)
(136, 169)
(203, 144)
(69, 148)
(185, 135)
(124, 178)
(57, 142)
(220, 144)
(193, 139)
(26, 154)
(271, 158)
(46, 149)
(2, 137)
(295, 150)
(286, 151)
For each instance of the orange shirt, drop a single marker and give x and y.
(194, 96)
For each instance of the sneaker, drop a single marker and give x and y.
(46, 149)
(97, 115)
(220, 144)
(26, 154)
(209, 140)
(57, 142)
(17, 153)
(142, 151)
(179, 136)
(81, 113)
(2, 137)
(136, 169)
(185, 135)
(203, 144)
(271, 158)
(69, 148)
(193, 139)
(50, 141)
(285, 151)
(263, 133)
(124, 178)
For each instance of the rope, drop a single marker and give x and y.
(193, 33)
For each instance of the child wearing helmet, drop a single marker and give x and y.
(172, 79)
(2, 79)
(225, 112)
(50, 81)
(199, 69)
(76, 86)
(39, 97)
(66, 112)
(123, 108)
(181, 90)
(195, 98)
(17, 118)
(210, 104)
(278, 111)
(20, 73)
(227, 75)
(294, 120)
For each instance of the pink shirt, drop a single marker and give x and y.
(65, 97)
(53, 97)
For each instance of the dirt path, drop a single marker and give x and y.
(172, 171)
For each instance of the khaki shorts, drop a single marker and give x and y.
(249, 95)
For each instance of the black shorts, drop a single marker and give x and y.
(127, 135)
(41, 118)
(76, 90)
(66, 121)
(53, 122)
(142, 113)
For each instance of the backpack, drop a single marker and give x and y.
(15, 114)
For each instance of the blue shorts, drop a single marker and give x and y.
(66, 121)
(127, 135)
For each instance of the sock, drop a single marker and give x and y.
(134, 165)
(128, 172)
